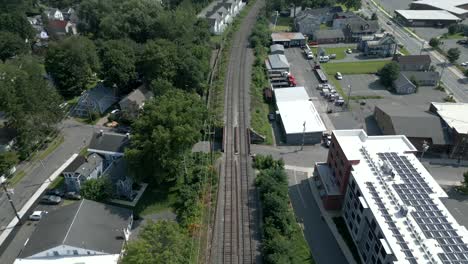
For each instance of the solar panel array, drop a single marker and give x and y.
(414, 191)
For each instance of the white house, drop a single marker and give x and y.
(54, 14)
(220, 13)
(84, 232)
(81, 170)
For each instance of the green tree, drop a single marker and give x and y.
(7, 161)
(118, 61)
(374, 16)
(168, 127)
(16, 23)
(99, 189)
(351, 4)
(453, 54)
(465, 72)
(159, 60)
(454, 29)
(434, 42)
(34, 118)
(160, 242)
(389, 73)
(11, 45)
(72, 63)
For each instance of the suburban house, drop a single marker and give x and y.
(122, 182)
(277, 63)
(220, 13)
(276, 49)
(403, 85)
(379, 46)
(82, 169)
(326, 36)
(417, 125)
(95, 101)
(307, 23)
(70, 14)
(111, 146)
(426, 18)
(455, 120)
(61, 28)
(424, 78)
(339, 19)
(356, 27)
(7, 138)
(82, 232)
(132, 104)
(53, 14)
(288, 39)
(413, 62)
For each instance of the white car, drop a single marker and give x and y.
(115, 111)
(37, 215)
(338, 76)
(349, 51)
(464, 64)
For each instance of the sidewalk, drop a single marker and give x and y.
(6, 232)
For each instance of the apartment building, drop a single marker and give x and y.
(390, 202)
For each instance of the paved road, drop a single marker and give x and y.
(321, 241)
(76, 135)
(451, 77)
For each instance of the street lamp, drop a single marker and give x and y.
(425, 147)
(8, 192)
(349, 95)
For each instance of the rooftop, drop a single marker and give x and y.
(413, 59)
(94, 259)
(276, 47)
(84, 165)
(139, 96)
(453, 6)
(427, 15)
(329, 34)
(277, 61)
(84, 224)
(286, 36)
(454, 114)
(404, 199)
(296, 109)
(108, 142)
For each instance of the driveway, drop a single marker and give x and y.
(322, 243)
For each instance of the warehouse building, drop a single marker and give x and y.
(288, 39)
(456, 7)
(426, 18)
(277, 63)
(299, 119)
(390, 203)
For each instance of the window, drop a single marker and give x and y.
(373, 224)
(75, 252)
(358, 193)
(367, 246)
(361, 208)
(376, 247)
(353, 184)
(358, 219)
(56, 253)
(353, 215)
(373, 259)
(355, 231)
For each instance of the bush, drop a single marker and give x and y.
(453, 54)
(98, 190)
(434, 42)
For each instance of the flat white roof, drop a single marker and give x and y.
(93, 259)
(295, 109)
(404, 199)
(427, 15)
(454, 114)
(449, 5)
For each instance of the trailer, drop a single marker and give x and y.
(321, 75)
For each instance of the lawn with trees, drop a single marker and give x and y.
(389, 73)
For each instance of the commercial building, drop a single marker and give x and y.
(456, 7)
(288, 39)
(390, 203)
(276, 49)
(426, 18)
(299, 119)
(417, 125)
(277, 63)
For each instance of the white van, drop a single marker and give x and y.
(324, 59)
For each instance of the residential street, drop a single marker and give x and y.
(76, 136)
(451, 77)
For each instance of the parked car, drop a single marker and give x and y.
(50, 199)
(464, 64)
(389, 23)
(338, 76)
(55, 192)
(332, 56)
(324, 59)
(362, 102)
(72, 196)
(462, 41)
(349, 51)
(271, 117)
(115, 111)
(37, 215)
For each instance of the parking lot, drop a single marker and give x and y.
(452, 43)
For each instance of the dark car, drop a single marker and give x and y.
(55, 192)
(50, 199)
(72, 196)
(462, 41)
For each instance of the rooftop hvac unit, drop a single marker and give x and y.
(386, 167)
(403, 210)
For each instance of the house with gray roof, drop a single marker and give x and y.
(413, 62)
(403, 85)
(96, 100)
(325, 36)
(109, 145)
(424, 78)
(81, 232)
(132, 104)
(356, 27)
(81, 169)
(417, 125)
(276, 49)
(379, 46)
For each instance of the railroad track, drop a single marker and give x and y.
(235, 238)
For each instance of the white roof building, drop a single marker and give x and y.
(456, 7)
(298, 114)
(403, 198)
(454, 114)
(427, 15)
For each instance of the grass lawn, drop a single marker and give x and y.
(364, 67)
(50, 148)
(339, 51)
(156, 199)
(404, 51)
(301, 248)
(337, 84)
(283, 24)
(343, 230)
(16, 178)
(453, 36)
(324, 26)
(57, 183)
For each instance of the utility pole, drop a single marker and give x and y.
(349, 95)
(303, 135)
(3, 183)
(444, 65)
(276, 19)
(422, 47)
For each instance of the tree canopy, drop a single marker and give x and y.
(99, 189)
(389, 73)
(11, 45)
(453, 54)
(169, 125)
(72, 63)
